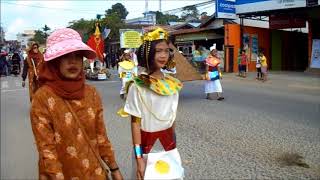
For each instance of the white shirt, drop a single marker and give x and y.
(157, 112)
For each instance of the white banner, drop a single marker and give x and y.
(249, 6)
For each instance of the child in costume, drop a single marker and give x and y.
(152, 102)
(213, 73)
(126, 71)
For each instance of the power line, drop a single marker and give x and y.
(43, 7)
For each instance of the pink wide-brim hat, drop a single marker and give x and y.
(64, 41)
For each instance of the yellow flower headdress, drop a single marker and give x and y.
(156, 34)
(148, 37)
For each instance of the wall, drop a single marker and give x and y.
(276, 49)
(232, 38)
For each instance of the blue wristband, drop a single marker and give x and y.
(138, 150)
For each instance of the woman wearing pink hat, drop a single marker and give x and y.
(67, 115)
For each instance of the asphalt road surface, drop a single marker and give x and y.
(243, 137)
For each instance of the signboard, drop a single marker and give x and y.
(252, 6)
(311, 3)
(130, 38)
(254, 47)
(315, 56)
(285, 21)
(225, 9)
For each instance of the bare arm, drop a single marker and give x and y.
(136, 139)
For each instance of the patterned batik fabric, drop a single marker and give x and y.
(64, 153)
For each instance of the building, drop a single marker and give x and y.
(149, 18)
(24, 38)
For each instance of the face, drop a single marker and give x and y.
(127, 56)
(35, 48)
(71, 65)
(162, 55)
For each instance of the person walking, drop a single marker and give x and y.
(16, 64)
(67, 115)
(264, 67)
(3, 63)
(152, 102)
(244, 64)
(31, 69)
(258, 67)
(213, 76)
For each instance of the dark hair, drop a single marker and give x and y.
(142, 57)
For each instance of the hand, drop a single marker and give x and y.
(141, 167)
(116, 175)
(23, 84)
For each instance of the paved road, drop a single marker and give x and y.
(241, 137)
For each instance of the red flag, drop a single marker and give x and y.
(96, 42)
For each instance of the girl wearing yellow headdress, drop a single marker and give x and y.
(126, 71)
(152, 102)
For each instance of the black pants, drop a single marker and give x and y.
(259, 73)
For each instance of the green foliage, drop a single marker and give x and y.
(165, 18)
(45, 29)
(190, 12)
(83, 27)
(114, 23)
(39, 37)
(113, 20)
(118, 9)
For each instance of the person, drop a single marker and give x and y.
(126, 71)
(3, 63)
(152, 102)
(16, 63)
(213, 75)
(239, 62)
(31, 69)
(264, 67)
(67, 115)
(258, 66)
(243, 64)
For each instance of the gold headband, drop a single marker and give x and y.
(156, 34)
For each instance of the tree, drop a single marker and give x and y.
(83, 27)
(165, 18)
(39, 37)
(204, 17)
(118, 9)
(45, 29)
(190, 13)
(114, 23)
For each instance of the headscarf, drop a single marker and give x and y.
(66, 88)
(37, 57)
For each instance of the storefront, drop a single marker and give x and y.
(293, 27)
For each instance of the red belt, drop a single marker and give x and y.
(167, 139)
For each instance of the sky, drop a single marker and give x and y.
(17, 15)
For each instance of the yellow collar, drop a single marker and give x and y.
(126, 64)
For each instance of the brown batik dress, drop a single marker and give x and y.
(63, 151)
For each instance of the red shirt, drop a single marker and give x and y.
(243, 59)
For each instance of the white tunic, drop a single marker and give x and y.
(157, 112)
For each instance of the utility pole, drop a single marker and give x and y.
(160, 5)
(146, 6)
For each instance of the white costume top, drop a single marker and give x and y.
(157, 112)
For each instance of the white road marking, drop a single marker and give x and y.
(11, 90)
(4, 84)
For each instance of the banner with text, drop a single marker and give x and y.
(130, 38)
